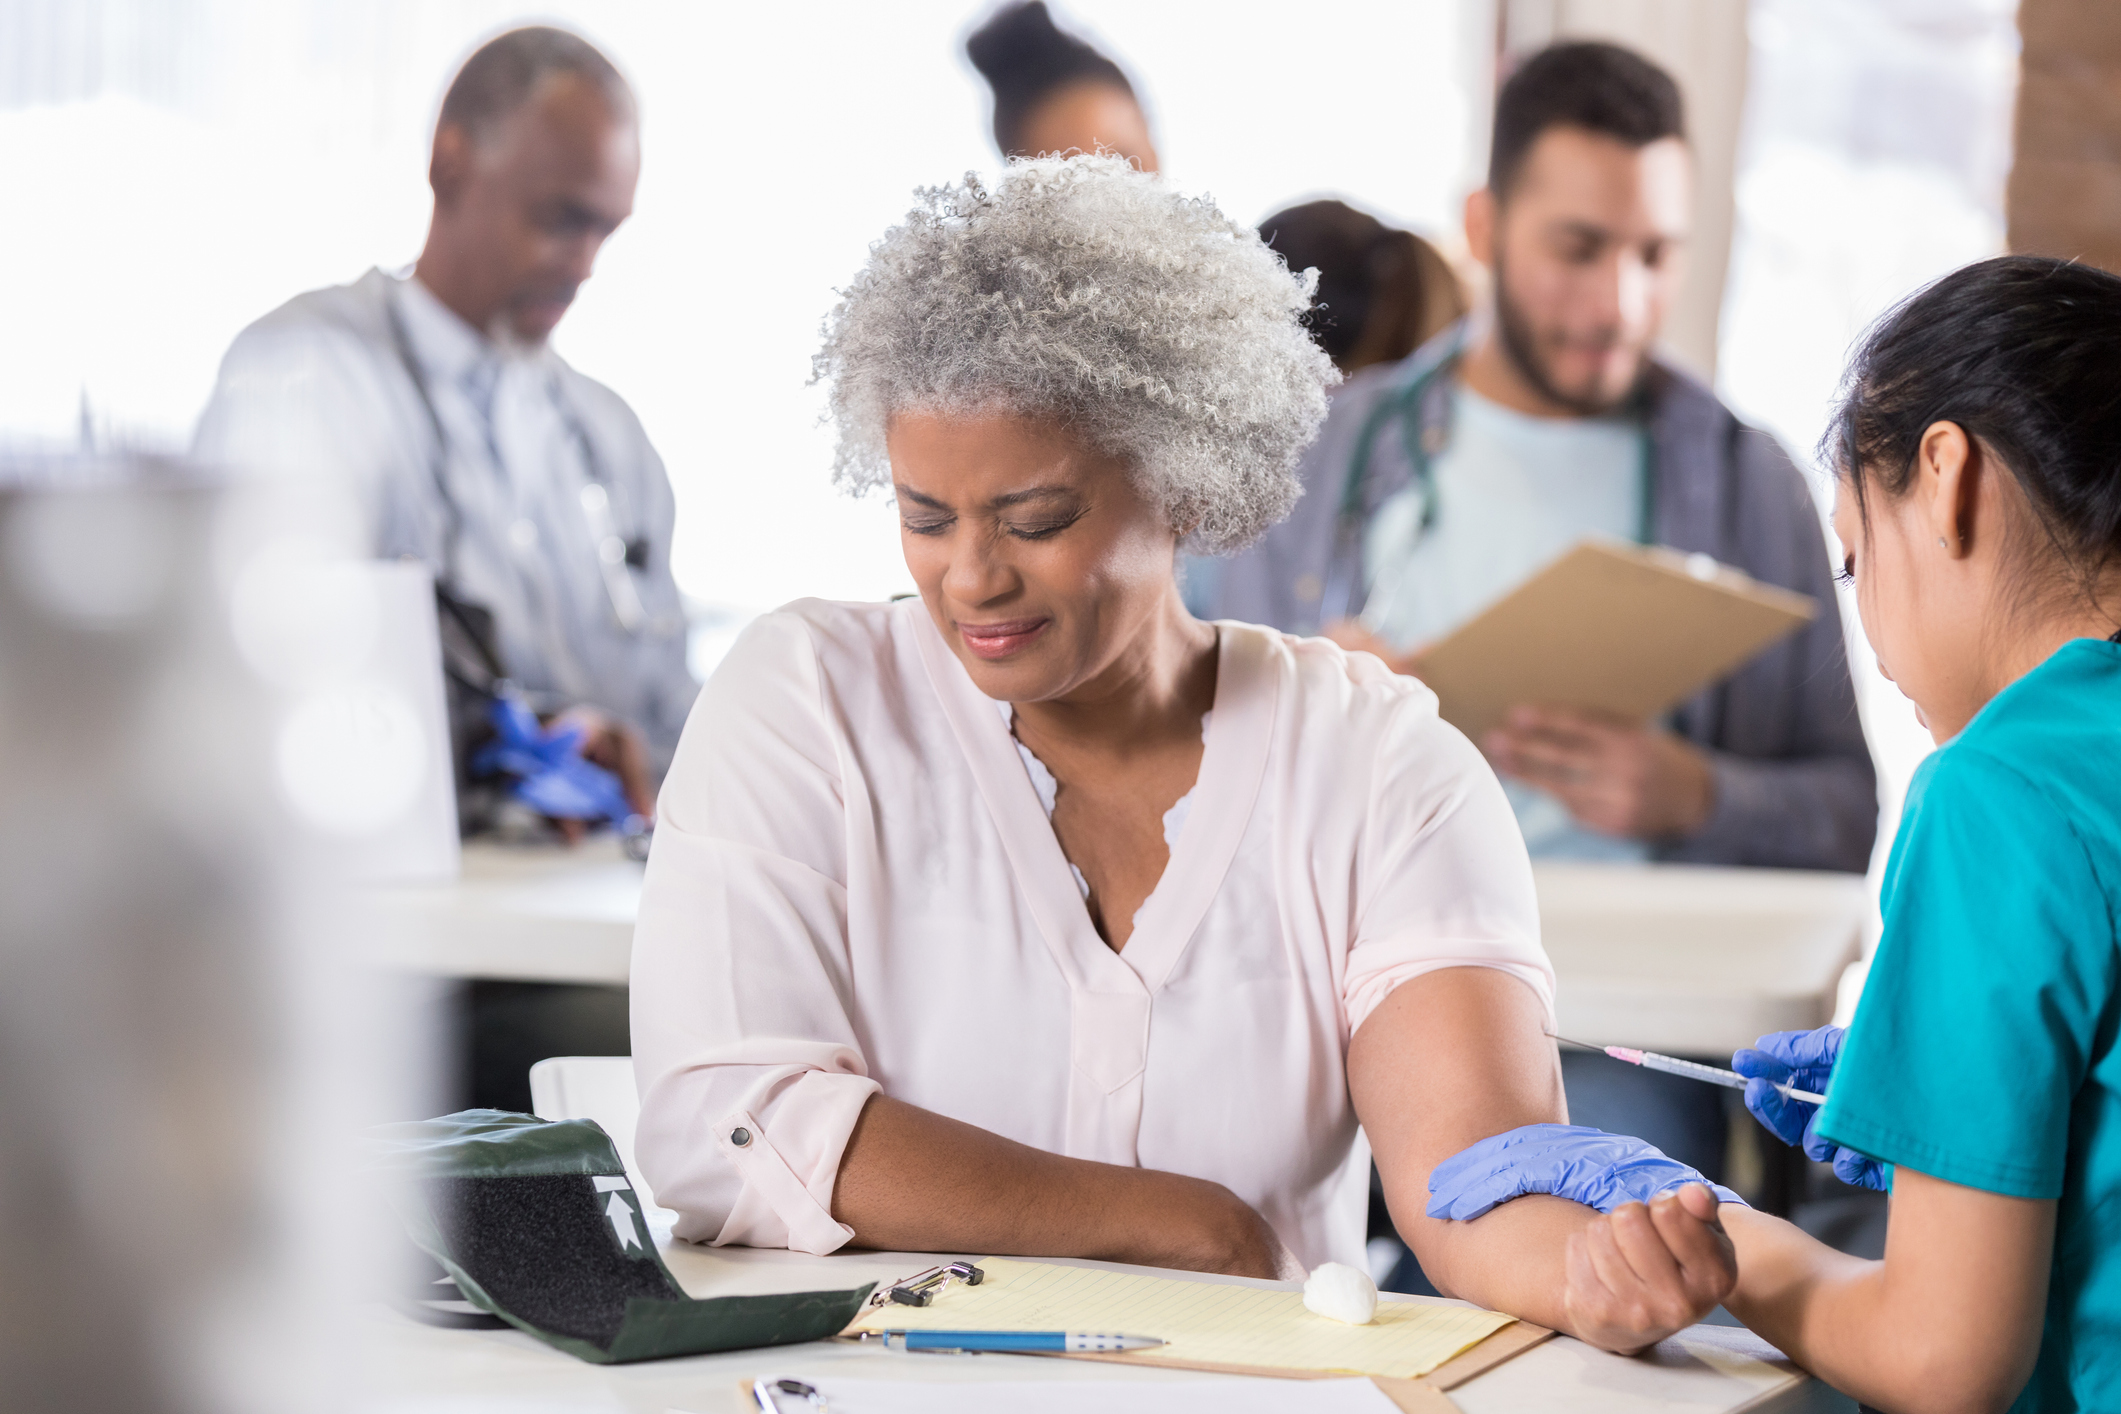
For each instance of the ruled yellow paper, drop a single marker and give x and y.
(1202, 1323)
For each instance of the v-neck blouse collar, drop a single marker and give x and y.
(1233, 763)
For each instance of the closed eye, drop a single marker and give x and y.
(1045, 530)
(927, 527)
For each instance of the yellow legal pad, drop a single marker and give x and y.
(1202, 1323)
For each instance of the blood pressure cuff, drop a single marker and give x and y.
(536, 1222)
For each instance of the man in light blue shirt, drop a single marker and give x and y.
(1440, 482)
(1522, 489)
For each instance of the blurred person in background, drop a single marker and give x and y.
(1054, 93)
(1382, 293)
(1442, 481)
(529, 490)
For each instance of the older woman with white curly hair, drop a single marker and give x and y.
(1036, 916)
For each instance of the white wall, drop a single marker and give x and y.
(174, 168)
(1876, 143)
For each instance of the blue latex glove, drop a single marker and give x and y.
(552, 777)
(1589, 1166)
(1804, 1059)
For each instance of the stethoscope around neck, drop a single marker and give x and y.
(1424, 442)
(616, 556)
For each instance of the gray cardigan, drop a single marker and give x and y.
(1795, 787)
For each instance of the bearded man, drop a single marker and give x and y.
(1442, 481)
(1546, 417)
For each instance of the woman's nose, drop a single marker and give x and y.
(977, 574)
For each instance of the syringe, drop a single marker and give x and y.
(1692, 1070)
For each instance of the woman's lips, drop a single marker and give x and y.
(999, 640)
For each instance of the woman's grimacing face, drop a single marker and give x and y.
(1039, 561)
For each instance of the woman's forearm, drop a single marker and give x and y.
(1791, 1287)
(1950, 1321)
(1507, 1260)
(1827, 1311)
(912, 1180)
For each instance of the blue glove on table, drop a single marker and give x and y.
(1589, 1166)
(552, 777)
(1804, 1059)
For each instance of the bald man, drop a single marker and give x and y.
(530, 490)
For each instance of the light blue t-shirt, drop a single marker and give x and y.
(1983, 1051)
(1512, 493)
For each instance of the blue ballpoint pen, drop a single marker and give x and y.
(1040, 1342)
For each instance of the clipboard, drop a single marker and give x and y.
(1609, 627)
(1415, 1351)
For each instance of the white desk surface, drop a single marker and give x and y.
(1672, 957)
(407, 1367)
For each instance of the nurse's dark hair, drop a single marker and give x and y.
(1025, 58)
(1598, 87)
(2024, 354)
(502, 74)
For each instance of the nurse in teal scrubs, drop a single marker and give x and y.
(1979, 509)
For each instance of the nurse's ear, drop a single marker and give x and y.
(1947, 479)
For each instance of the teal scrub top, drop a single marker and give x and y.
(1983, 1050)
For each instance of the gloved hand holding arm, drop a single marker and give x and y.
(1658, 1248)
(1804, 1059)
(1587, 1166)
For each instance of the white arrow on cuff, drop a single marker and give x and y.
(621, 1215)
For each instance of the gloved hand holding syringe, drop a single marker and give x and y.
(1772, 1066)
(1693, 1070)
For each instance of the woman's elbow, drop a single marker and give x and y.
(1947, 1374)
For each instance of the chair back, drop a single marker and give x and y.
(599, 1088)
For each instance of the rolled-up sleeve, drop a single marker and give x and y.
(1444, 880)
(751, 1077)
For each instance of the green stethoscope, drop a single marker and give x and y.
(1424, 443)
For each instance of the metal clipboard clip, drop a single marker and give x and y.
(767, 1395)
(923, 1287)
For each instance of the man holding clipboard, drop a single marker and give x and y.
(1441, 483)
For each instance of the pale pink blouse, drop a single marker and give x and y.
(854, 887)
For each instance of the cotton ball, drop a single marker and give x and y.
(1341, 1293)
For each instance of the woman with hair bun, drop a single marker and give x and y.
(1979, 511)
(1033, 915)
(1382, 292)
(1054, 94)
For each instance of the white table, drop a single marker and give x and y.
(517, 913)
(406, 1366)
(1671, 957)
(1691, 960)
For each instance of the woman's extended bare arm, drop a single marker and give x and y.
(912, 1180)
(1950, 1320)
(1454, 1056)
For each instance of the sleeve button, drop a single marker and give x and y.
(740, 1137)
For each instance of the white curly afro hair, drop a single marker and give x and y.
(1081, 289)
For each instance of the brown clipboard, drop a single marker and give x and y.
(1422, 1395)
(1608, 627)
(1416, 1396)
